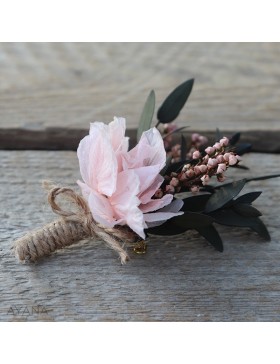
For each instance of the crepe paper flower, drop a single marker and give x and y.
(118, 184)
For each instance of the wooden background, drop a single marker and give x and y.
(48, 95)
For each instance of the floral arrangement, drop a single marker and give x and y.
(157, 187)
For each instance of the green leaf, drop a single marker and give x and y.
(192, 220)
(166, 229)
(147, 115)
(240, 166)
(218, 135)
(246, 210)
(262, 177)
(223, 195)
(183, 148)
(177, 166)
(243, 148)
(248, 197)
(167, 164)
(259, 227)
(234, 139)
(231, 218)
(211, 235)
(195, 203)
(175, 131)
(174, 102)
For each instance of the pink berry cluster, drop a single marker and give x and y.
(214, 163)
(196, 142)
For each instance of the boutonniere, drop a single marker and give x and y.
(158, 187)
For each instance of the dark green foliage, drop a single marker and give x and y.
(218, 205)
(224, 194)
(248, 197)
(195, 203)
(211, 235)
(183, 147)
(147, 115)
(246, 210)
(174, 102)
(232, 218)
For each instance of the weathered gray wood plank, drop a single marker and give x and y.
(70, 84)
(179, 279)
(264, 141)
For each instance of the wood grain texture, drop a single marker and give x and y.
(179, 279)
(264, 141)
(70, 84)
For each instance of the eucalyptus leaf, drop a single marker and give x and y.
(174, 102)
(259, 227)
(147, 115)
(248, 197)
(243, 148)
(167, 164)
(195, 203)
(262, 177)
(192, 220)
(177, 166)
(211, 235)
(234, 139)
(231, 218)
(223, 195)
(166, 229)
(240, 166)
(183, 148)
(175, 131)
(246, 210)
(218, 135)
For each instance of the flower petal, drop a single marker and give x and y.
(85, 189)
(98, 163)
(101, 209)
(148, 152)
(156, 204)
(147, 176)
(171, 210)
(117, 131)
(147, 194)
(126, 203)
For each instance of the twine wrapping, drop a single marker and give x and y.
(70, 228)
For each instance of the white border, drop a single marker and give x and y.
(134, 21)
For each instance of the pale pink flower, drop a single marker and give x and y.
(197, 170)
(174, 182)
(224, 141)
(196, 154)
(226, 156)
(205, 179)
(195, 137)
(210, 150)
(202, 140)
(190, 173)
(212, 162)
(220, 158)
(119, 184)
(217, 146)
(232, 160)
(221, 168)
(169, 189)
(203, 168)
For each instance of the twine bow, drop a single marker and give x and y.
(70, 228)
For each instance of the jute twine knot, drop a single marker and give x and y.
(70, 228)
